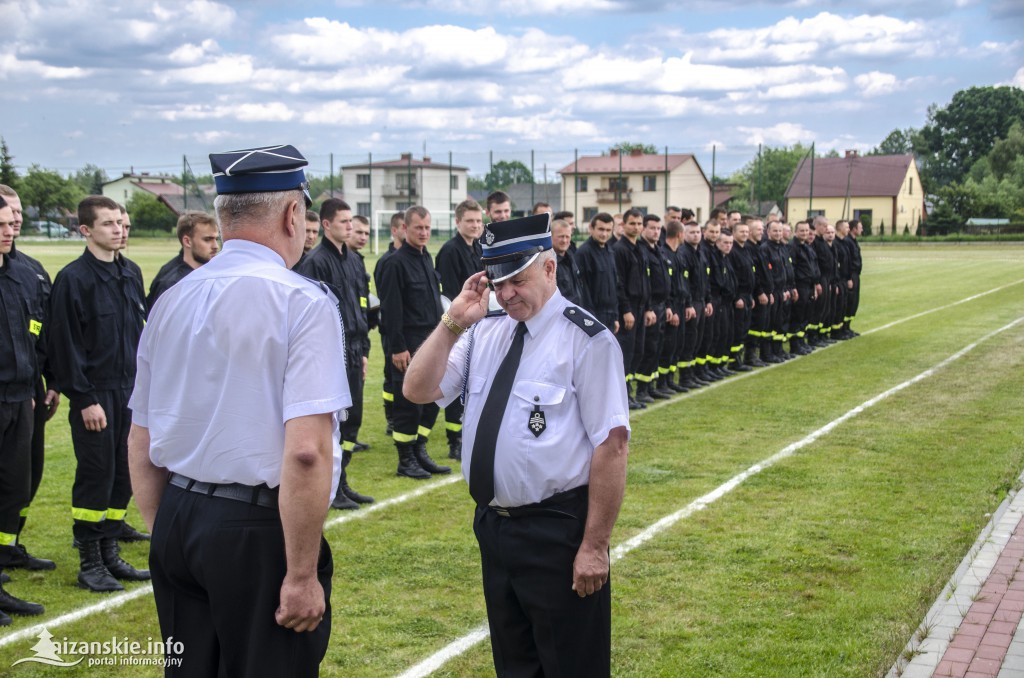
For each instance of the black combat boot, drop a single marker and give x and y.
(425, 462)
(22, 559)
(111, 553)
(343, 487)
(455, 447)
(631, 397)
(407, 464)
(642, 395)
(129, 533)
(94, 574)
(11, 605)
(659, 390)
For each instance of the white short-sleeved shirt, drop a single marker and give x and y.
(576, 381)
(230, 353)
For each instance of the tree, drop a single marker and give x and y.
(899, 142)
(8, 175)
(317, 185)
(777, 166)
(49, 192)
(627, 147)
(1005, 152)
(90, 179)
(505, 173)
(150, 214)
(966, 129)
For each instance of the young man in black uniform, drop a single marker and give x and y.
(97, 313)
(458, 259)
(725, 299)
(397, 238)
(669, 372)
(659, 274)
(759, 337)
(808, 287)
(21, 317)
(844, 255)
(775, 258)
(597, 269)
(199, 237)
(410, 303)
(822, 310)
(46, 397)
(329, 262)
(695, 272)
(635, 314)
(743, 260)
(370, 305)
(706, 360)
(856, 266)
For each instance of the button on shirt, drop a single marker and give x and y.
(232, 352)
(574, 379)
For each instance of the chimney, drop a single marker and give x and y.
(407, 156)
(636, 152)
(426, 159)
(615, 153)
(852, 154)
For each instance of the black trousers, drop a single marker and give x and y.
(654, 336)
(741, 321)
(760, 324)
(539, 626)
(15, 471)
(38, 437)
(853, 299)
(707, 341)
(692, 336)
(838, 306)
(802, 310)
(349, 428)
(723, 322)
(632, 342)
(671, 346)
(410, 421)
(821, 309)
(217, 567)
(453, 420)
(102, 487)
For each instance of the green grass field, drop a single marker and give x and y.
(822, 564)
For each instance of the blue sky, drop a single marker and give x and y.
(140, 84)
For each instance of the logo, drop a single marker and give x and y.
(488, 236)
(46, 652)
(537, 423)
(588, 322)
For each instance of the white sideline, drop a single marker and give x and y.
(439, 658)
(122, 598)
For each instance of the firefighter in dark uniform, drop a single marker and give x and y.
(410, 302)
(330, 262)
(839, 289)
(775, 257)
(695, 271)
(567, 274)
(743, 261)
(596, 263)
(759, 337)
(397, 238)
(635, 314)
(46, 397)
(808, 286)
(856, 266)
(97, 310)
(368, 303)
(724, 298)
(458, 259)
(198, 233)
(822, 309)
(659, 272)
(21, 317)
(670, 374)
(706, 362)
(845, 253)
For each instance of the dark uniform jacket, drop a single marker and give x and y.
(331, 266)
(359, 271)
(44, 287)
(696, 268)
(763, 283)
(168, 275)
(776, 261)
(723, 279)
(826, 262)
(97, 310)
(634, 285)
(570, 280)
(805, 265)
(658, 267)
(745, 268)
(856, 262)
(455, 262)
(844, 258)
(21, 319)
(410, 298)
(377, 269)
(597, 269)
(679, 288)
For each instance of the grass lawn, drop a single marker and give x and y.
(822, 564)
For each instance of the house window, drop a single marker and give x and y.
(641, 210)
(650, 182)
(363, 209)
(402, 206)
(911, 185)
(864, 216)
(362, 181)
(815, 213)
(589, 213)
(618, 184)
(455, 183)
(698, 217)
(402, 180)
(581, 184)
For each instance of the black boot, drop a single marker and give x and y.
(11, 605)
(631, 397)
(129, 533)
(407, 464)
(455, 447)
(111, 552)
(425, 462)
(343, 488)
(388, 407)
(642, 395)
(93, 574)
(24, 560)
(752, 358)
(361, 446)
(675, 382)
(659, 391)
(341, 500)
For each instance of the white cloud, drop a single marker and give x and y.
(190, 53)
(522, 7)
(876, 83)
(273, 111)
(12, 66)
(223, 70)
(1018, 78)
(783, 133)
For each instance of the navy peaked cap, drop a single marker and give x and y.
(510, 246)
(259, 170)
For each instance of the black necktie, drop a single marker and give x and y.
(481, 469)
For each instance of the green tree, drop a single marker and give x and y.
(317, 185)
(899, 142)
(966, 129)
(476, 184)
(90, 179)
(505, 173)
(770, 180)
(150, 214)
(1005, 152)
(49, 192)
(628, 147)
(8, 175)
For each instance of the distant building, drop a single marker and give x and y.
(645, 181)
(122, 190)
(525, 196)
(873, 188)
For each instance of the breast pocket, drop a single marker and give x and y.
(534, 409)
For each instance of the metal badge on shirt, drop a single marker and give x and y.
(537, 423)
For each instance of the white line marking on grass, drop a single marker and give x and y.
(363, 512)
(943, 308)
(454, 649)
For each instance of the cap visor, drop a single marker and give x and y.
(506, 269)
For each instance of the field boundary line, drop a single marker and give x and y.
(461, 645)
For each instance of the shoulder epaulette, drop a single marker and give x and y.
(582, 320)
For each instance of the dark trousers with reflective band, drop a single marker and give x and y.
(386, 393)
(453, 419)
(15, 471)
(692, 336)
(741, 319)
(217, 567)
(760, 324)
(802, 311)
(410, 420)
(838, 306)
(539, 626)
(350, 427)
(821, 310)
(671, 346)
(853, 299)
(632, 342)
(654, 336)
(723, 323)
(103, 487)
(707, 341)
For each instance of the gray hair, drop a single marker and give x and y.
(234, 209)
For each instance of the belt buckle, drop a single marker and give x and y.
(502, 511)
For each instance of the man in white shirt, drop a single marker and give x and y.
(234, 467)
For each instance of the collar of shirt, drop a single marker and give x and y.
(108, 270)
(536, 325)
(251, 249)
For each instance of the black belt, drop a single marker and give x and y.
(248, 494)
(546, 507)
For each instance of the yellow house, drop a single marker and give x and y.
(646, 181)
(880, 190)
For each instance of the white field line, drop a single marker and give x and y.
(122, 598)
(439, 658)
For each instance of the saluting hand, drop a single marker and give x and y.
(471, 304)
